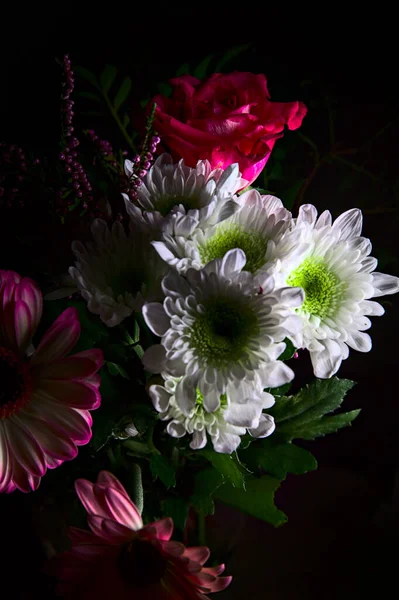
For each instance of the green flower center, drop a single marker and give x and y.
(222, 333)
(322, 287)
(129, 280)
(165, 203)
(228, 238)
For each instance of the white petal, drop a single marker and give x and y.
(276, 373)
(156, 318)
(198, 440)
(175, 429)
(266, 427)
(131, 430)
(307, 214)
(291, 297)
(160, 397)
(154, 359)
(372, 308)
(245, 414)
(211, 400)
(186, 394)
(174, 285)
(327, 362)
(128, 166)
(385, 284)
(359, 341)
(324, 220)
(233, 261)
(226, 443)
(349, 223)
(164, 252)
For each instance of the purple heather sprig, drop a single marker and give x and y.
(73, 167)
(137, 169)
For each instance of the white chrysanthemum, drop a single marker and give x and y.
(117, 272)
(335, 270)
(224, 425)
(221, 326)
(254, 228)
(169, 190)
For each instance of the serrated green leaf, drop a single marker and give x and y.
(86, 74)
(177, 509)
(89, 96)
(161, 468)
(116, 369)
(206, 483)
(184, 69)
(107, 77)
(202, 69)
(227, 466)
(230, 54)
(257, 500)
(313, 401)
(123, 93)
(279, 459)
(314, 429)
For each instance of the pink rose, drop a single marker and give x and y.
(225, 119)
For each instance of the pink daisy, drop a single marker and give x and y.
(121, 558)
(45, 396)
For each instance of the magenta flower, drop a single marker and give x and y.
(45, 396)
(123, 559)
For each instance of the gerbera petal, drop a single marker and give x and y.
(59, 339)
(161, 529)
(77, 394)
(121, 507)
(112, 532)
(199, 554)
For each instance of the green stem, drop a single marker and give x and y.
(118, 121)
(137, 447)
(150, 442)
(354, 166)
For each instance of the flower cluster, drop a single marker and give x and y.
(240, 278)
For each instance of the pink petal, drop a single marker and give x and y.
(162, 529)
(199, 554)
(23, 325)
(106, 479)
(5, 463)
(122, 509)
(72, 393)
(173, 548)
(94, 354)
(29, 292)
(59, 339)
(216, 571)
(93, 503)
(68, 421)
(109, 530)
(56, 447)
(67, 368)
(220, 584)
(81, 536)
(24, 447)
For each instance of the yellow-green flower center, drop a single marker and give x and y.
(322, 287)
(222, 333)
(228, 238)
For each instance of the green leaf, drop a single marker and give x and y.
(123, 92)
(89, 96)
(326, 425)
(164, 88)
(314, 400)
(116, 369)
(107, 77)
(289, 350)
(227, 466)
(86, 74)
(276, 172)
(279, 391)
(206, 483)
(257, 500)
(290, 195)
(302, 415)
(230, 55)
(279, 459)
(161, 468)
(184, 69)
(201, 70)
(177, 509)
(126, 121)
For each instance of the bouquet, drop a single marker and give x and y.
(153, 370)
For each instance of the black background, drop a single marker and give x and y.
(342, 534)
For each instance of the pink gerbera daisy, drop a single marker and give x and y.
(45, 396)
(123, 559)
